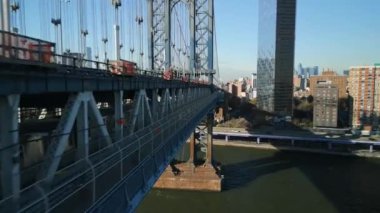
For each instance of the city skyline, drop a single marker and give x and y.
(339, 41)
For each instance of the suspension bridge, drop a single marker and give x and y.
(96, 97)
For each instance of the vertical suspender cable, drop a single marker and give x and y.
(132, 30)
(95, 30)
(47, 10)
(83, 26)
(122, 22)
(13, 21)
(22, 17)
(70, 9)
(138, 30)
(41, 18)
(139, 21)
(145, 35)
(104, 27)
(142, 28)
(174, 39)
(78, 32)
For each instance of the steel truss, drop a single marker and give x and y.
(117, 175)
(201, 13)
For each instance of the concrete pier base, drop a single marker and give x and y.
(186, 176)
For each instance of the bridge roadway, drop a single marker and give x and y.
(115, 176)
(259, 137)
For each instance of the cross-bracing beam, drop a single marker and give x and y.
(79, 107)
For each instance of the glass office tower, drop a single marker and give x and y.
(276, 56)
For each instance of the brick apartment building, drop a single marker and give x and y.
(364, 90)
(329, 76)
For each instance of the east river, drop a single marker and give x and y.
(275, 181)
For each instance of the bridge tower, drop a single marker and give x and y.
(201, 21)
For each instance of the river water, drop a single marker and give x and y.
(275, 181)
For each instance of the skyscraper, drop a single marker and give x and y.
(300, 70)
(276, 55)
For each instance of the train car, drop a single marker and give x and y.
(185, 77)
(168, 74)
(41, 52)
(196, 81)
(203, 82)
(21, 47)
(123, 67)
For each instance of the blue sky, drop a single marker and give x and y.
(332, 34)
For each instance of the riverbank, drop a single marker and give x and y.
(265, 146)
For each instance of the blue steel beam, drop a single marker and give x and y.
(119, 199)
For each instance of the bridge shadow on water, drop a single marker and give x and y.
(242, 173)
(350, 184)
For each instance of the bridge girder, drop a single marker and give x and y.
(135, 152)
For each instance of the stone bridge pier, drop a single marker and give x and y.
(200, 172)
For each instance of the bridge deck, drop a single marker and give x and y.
(35, 78)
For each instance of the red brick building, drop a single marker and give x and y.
(364, 90)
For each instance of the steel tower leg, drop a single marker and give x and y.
(210, 41)
(150, 35)
(192, 63)
(204, 31)
(10, 147)
(210, 123)
(157, 33)
(168, 48)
